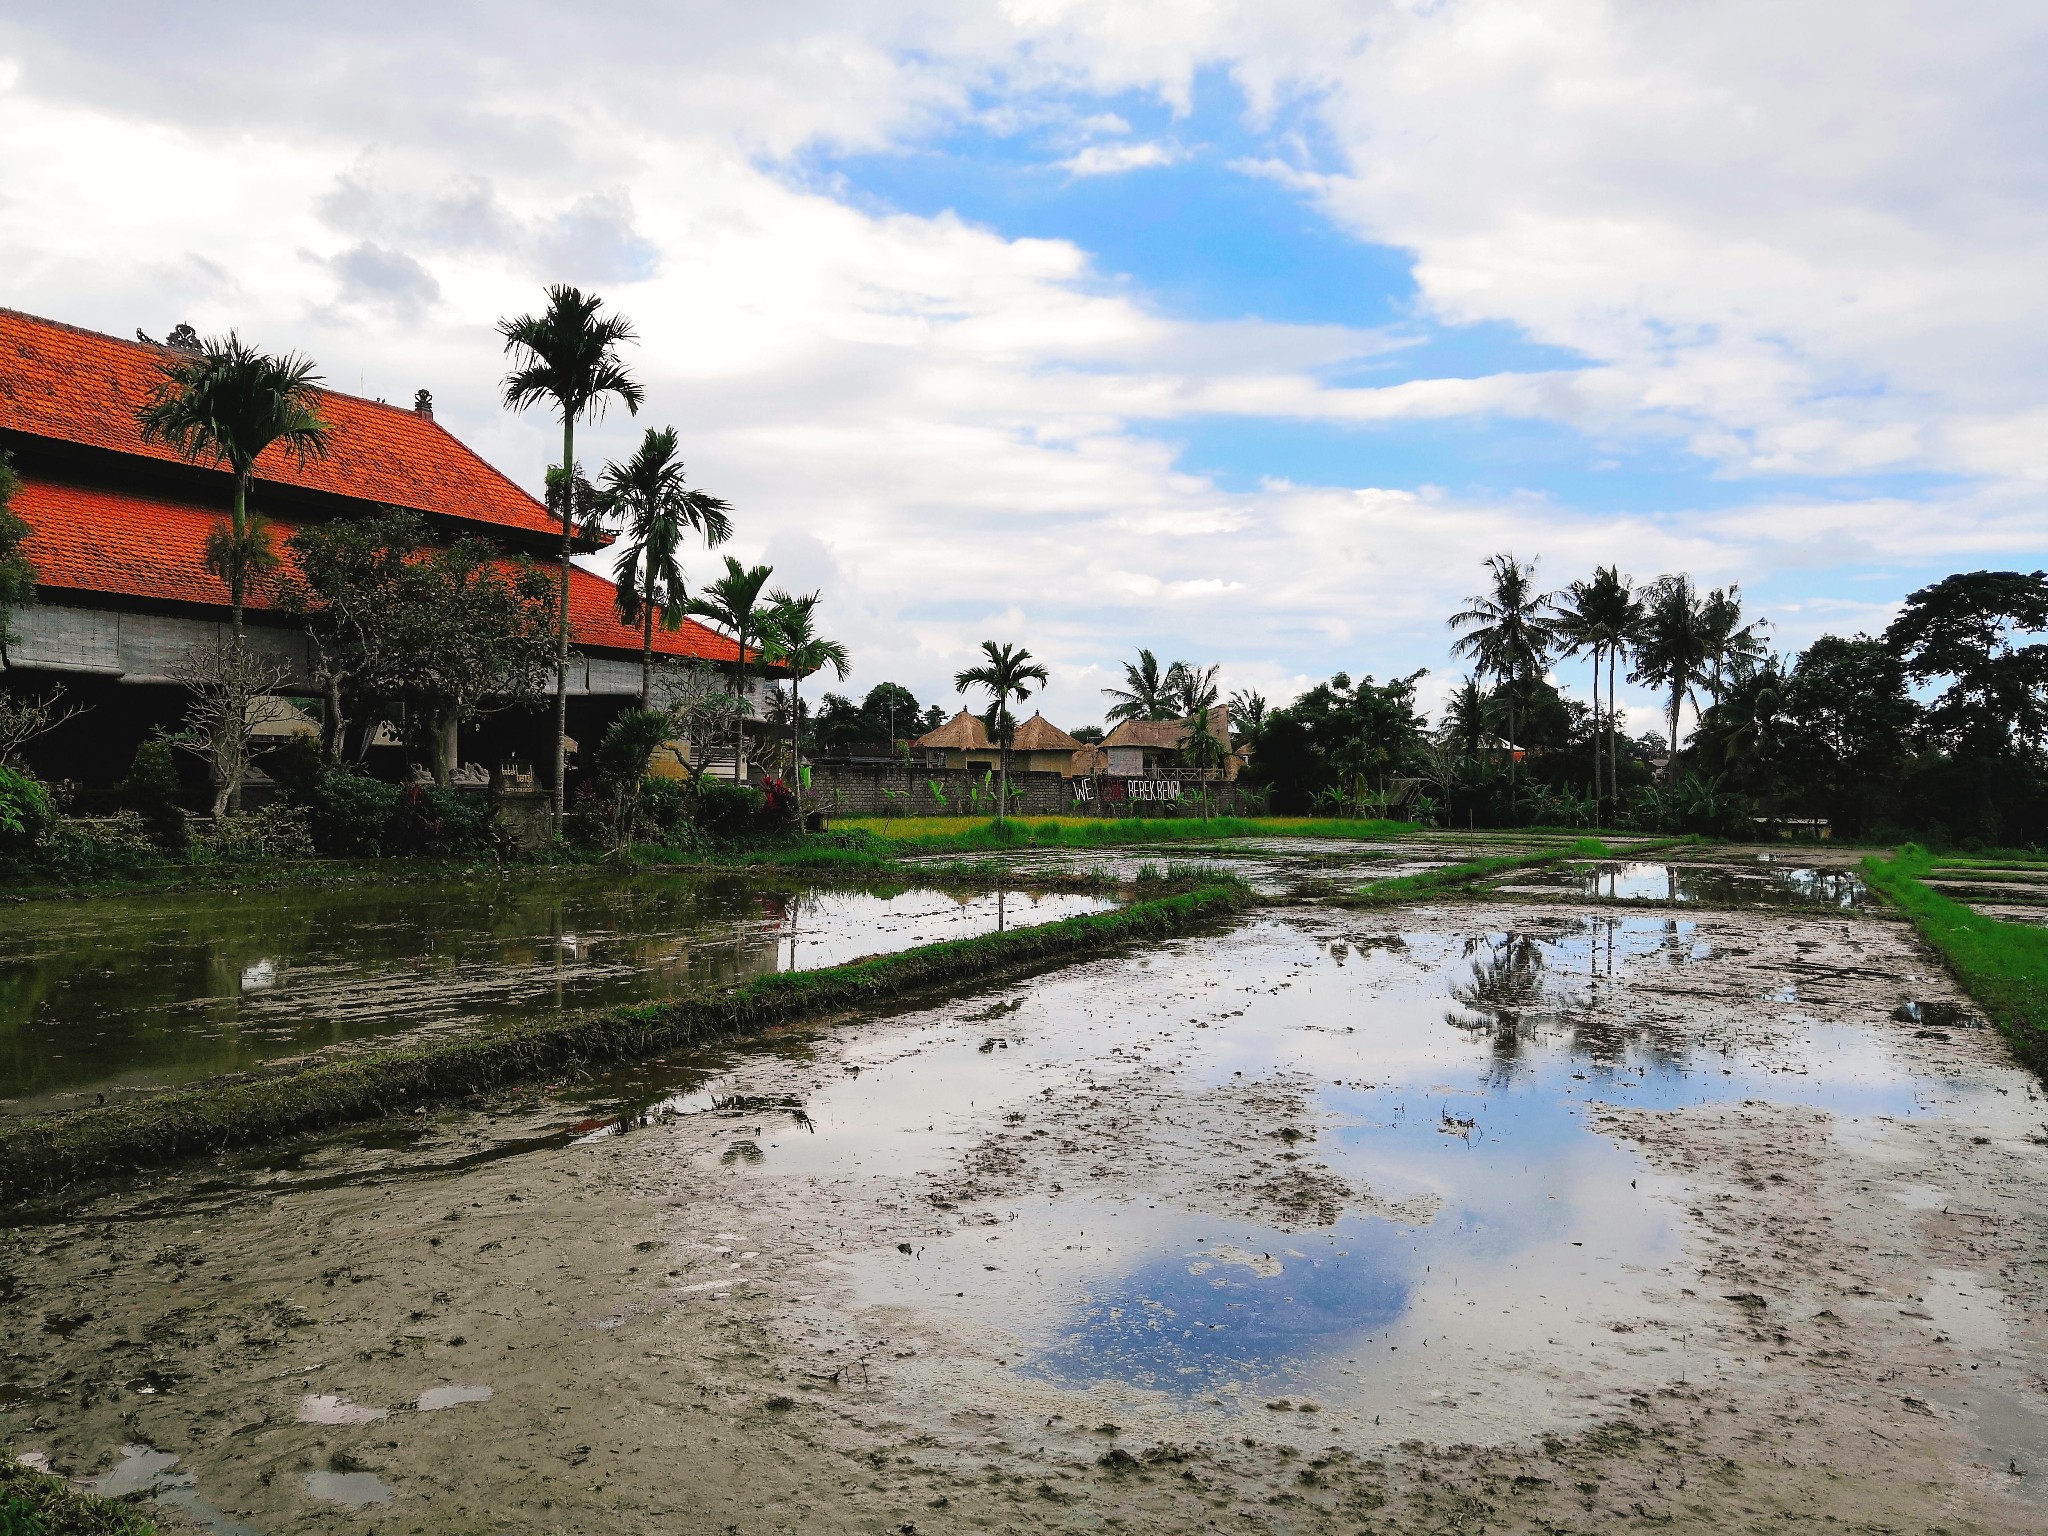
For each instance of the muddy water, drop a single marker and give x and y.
(1759, 884)
(126, 994)
(1501, 1214)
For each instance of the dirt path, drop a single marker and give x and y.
(1504, 1217)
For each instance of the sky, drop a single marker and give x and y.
(1245, 332)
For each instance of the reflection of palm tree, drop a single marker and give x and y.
(1506, 983)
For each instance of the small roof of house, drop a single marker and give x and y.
(1039, 734)
(1167, 734)
(964, 732)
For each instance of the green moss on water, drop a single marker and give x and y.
(2003, 966)
(44, 1153)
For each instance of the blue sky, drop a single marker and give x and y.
(1242, 332)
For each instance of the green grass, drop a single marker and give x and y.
(972, 835)
(1426, 882)
(34, 1503)
(2003, 966)
(41, 1154)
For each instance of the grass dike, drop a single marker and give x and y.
(1427, 882)
(41, 1155)
(2002, 965)
(34, 1503)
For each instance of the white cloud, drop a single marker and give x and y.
(1115, 159)
(1798, 241)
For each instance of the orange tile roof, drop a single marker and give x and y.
(78, 386)
(121, 544)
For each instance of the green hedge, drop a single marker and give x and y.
(41, 1154)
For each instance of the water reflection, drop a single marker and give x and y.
(1769, 885)
(141, 991)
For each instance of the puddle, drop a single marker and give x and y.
(451, 1396)
(144, 1470)
(353, 1490)
(129, 993)
(330, 1408)
(1762, 885)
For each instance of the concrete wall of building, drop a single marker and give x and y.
(143, 648)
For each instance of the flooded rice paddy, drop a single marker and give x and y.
(1509, 1213)
(133, 993)
(1765, 882)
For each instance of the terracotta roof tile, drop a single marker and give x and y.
(120, 544)
(78, 386)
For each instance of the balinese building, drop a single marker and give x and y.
(119, 529)
(1154, 749)
(1036, 746)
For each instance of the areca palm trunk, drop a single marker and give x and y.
(1596, 733)
(237, 568)
(1613, 758)
(562, 635)
(647, 651)
(796, 739)
(739, 714)
(1003, 770)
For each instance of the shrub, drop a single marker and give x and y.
(725, 809)
(665, 812)
(778, 803)
(151, 792)
(275, 832)
(26, 812)
(80, 846)
(350, 813)
(430, 819)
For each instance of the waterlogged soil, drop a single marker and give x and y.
(1768, 882)
(127, 994)
(1495, 1214)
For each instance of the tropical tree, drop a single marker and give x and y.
(1006, 673)
(1466, 719)
(1247, 712)
(1965, 631)
(1674, 648)
(1201, 749)
(229, 402)
(1600, 616)
(1733, 646)
(647, 493)
(789, 635)
(730, 602)
(567, 355)
(17, 575)
(1509, 632)
(1149, 692)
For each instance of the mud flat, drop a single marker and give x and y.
(1510, 1214)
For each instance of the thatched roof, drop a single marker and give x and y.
(1169, 735)
(964, 732)
(1039, 734)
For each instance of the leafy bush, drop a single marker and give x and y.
(275, 832)
(350, 813)
(26, 812)
(665, 806)
(85, 847)
(151, 792)
(430, 819)
(725, 809)
(778, 802)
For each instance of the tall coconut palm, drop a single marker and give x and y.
(1735, 647)
(568, 356)
(789, 635)
(647, 493)
(1509, 632)
(229, 402)
(1465, 718)
(1006, 674)
(1600, 616)
(730, 602)
(1674, 647)
(1148, 692)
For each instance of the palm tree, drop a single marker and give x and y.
(789, 634)
(730, 602)
(1510, 632)
(1465, 718)
(1735, 646)
(568, 355)
(229, 402)
(1006, 674)
(1148, 693)
(1600, 616)
(1674, 647)
(1248, 712)
(647, 491)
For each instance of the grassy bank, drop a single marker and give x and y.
(937, 834)
(42, 1154)
(35, 1503)
(2003, 966)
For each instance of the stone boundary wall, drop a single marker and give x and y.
(842, 789)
